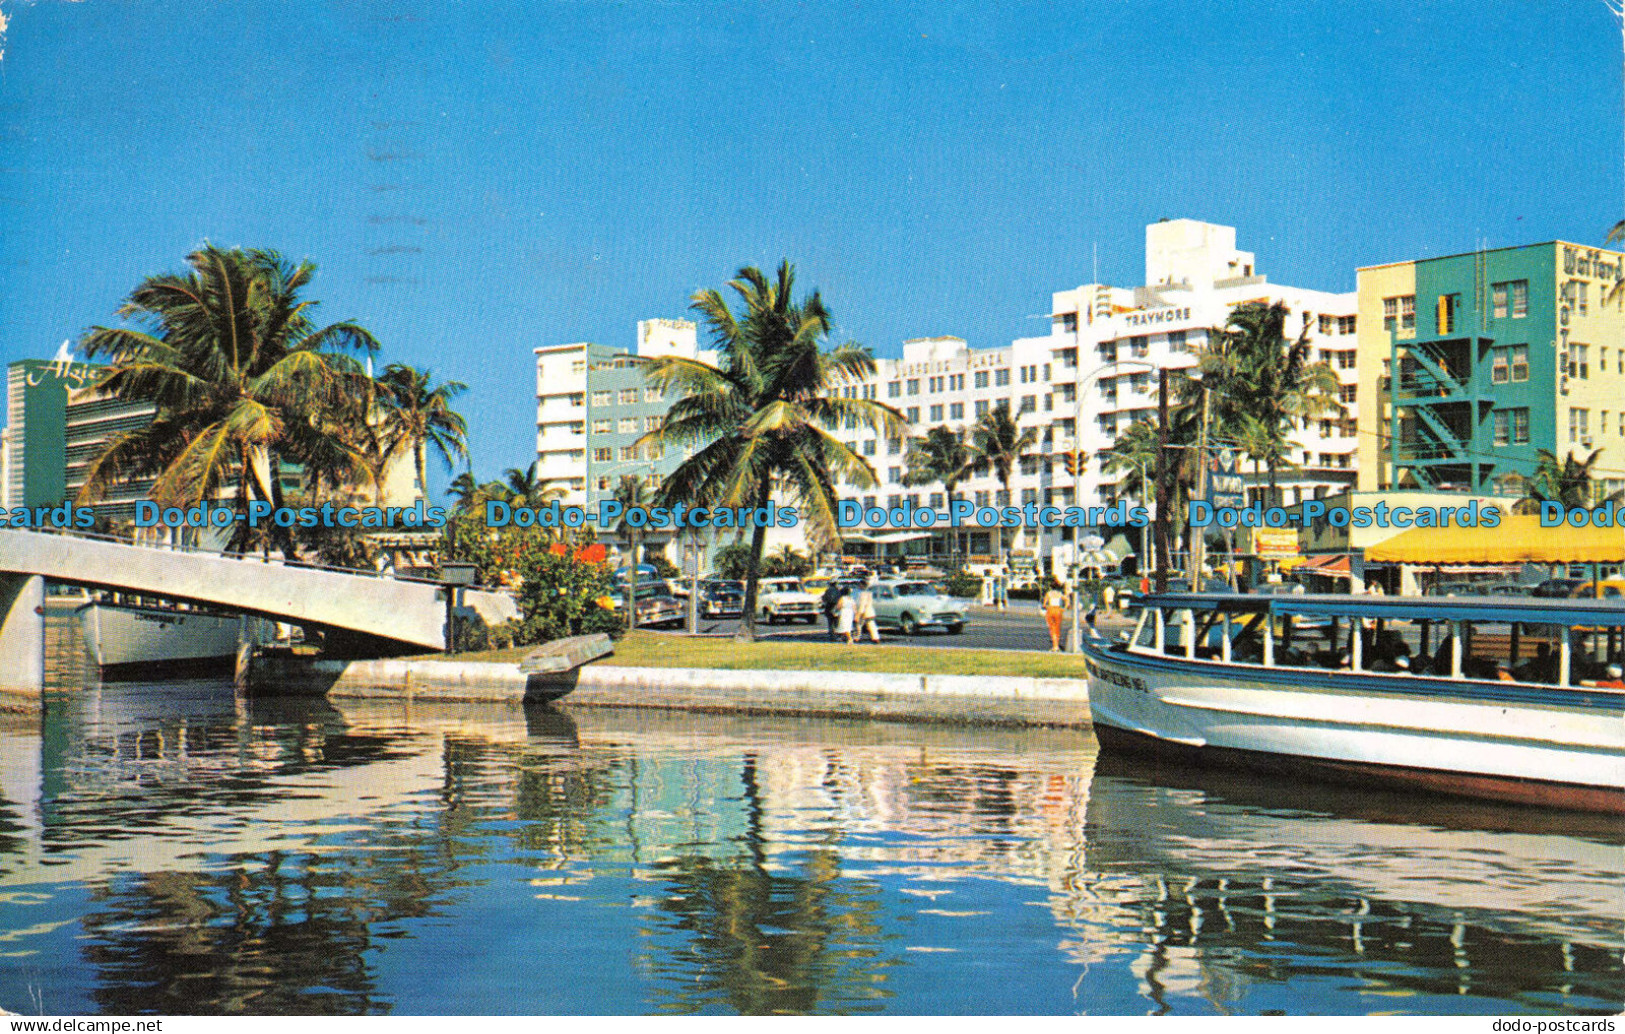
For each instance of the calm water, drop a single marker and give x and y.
(173, 850)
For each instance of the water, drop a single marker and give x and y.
(172, 849)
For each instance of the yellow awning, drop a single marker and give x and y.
(1518, 539)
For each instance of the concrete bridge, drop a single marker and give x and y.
(398, 614)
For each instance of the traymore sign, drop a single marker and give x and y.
(1158, 317)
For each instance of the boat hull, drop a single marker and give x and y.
(1523, 744)
(130, 642)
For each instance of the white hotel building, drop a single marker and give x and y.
(1096, 365)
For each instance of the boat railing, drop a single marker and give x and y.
(1553, 643)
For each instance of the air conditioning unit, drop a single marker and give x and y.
(1585, 439)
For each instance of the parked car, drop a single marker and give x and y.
(657, 607)
(782, 599)
(1558, 588)
(721, 598)
(910, 605)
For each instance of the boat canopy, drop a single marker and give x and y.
(1517, 539)
(1590, 612)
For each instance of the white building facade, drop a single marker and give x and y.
(1078, 387)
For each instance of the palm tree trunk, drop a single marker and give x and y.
(758, 540)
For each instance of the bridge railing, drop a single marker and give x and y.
(182, 547)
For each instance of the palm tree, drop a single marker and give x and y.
(464, 488)
(1251, 371)
(765, 417)
(418, 416)
(631, 492)
(1568, 481)
(997, 446)
(240, 377)
(939, 456)
(524, 488)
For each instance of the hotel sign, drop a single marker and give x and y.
(1591, 262)
(1156, 317)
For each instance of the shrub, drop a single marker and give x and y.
(563, 595)
(964, 586)
(732, 561)
(786, 563)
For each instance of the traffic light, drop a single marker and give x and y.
(1076, 462)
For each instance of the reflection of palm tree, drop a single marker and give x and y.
(765, 942)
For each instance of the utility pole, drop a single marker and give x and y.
(1163, 504)
(1198, 558)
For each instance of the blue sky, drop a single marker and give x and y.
(478, 179)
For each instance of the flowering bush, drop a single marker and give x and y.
(565, 592)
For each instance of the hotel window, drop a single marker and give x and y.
(1578, 364)
(576, 400)
(652, 395)
(869, 447)
(1390, 314)
(893, 502)
(1520, 362)
(1326, 323)
(1001, 378)
(579, 366)
(913, 414)
(603, 484)
(1178, 341)
(936, 500)
(984, 498)
(1503, 427)
(914, 386)
(1029, 465)
(1581, 296)
(1139, 346)
(957, 382)
(603, 398)
(629, 425)
(981, 408)
(629, 452)
(894, 474)
(1049, 403)
(629, 396)
(936, 414)
(653, 423)
(956, 411)
(981, 378)
(1046, 373)
(1029, 495)
(1498, 366)
(1347, 394)
(1029, 404)
(1520, 298)
(1346, 324)
(1346, 360)
(602, 426)
(1579, 425)
(657, 452)
(894, 389)
(1001, 497)
(1498, 300)
(1069, 323)
(1602, 359)
(603, 455)
(934, 385)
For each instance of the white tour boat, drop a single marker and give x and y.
(1508, 699)
(126, 640)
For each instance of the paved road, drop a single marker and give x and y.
(1019, 628)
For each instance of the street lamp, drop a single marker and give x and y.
(1077, 477)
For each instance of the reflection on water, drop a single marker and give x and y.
(175, 850)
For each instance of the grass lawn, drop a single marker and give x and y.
(653, 650)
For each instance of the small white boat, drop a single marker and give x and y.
(126, 640)
(1516, 704)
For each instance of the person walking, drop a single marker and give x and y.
(848, 610)
(864, 615)
(830, 603)
(1054, 603)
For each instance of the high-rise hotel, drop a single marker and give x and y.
(1079, 385)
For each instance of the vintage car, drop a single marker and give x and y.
(656, 605)
(721, 598)
(909, 604)
(782, 599)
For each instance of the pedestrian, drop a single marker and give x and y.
(1054, 603)
(864, 613)
(1108, 597)
(830, 602)
(848, 610)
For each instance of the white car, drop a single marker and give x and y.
(911, 604)
(782, 599)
